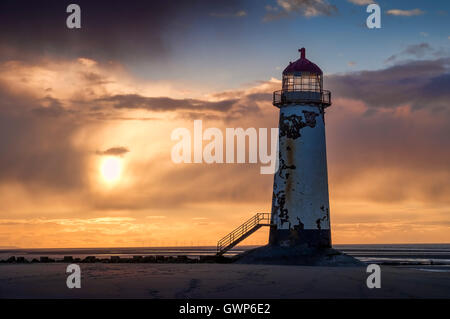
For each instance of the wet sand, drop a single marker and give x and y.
(218, 281)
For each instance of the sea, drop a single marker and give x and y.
(428, 257)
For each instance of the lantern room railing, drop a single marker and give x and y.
(285, 97)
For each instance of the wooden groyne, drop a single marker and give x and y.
(117, 259)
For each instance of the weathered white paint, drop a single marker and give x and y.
(305, 188)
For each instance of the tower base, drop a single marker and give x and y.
(313, 238)
(297, 255)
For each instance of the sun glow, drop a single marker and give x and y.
(111, 169)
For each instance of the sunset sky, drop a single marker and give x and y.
(86, 117)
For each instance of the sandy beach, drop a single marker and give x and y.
(219, 281)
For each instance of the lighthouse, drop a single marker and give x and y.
(300, 207)
(299, 222)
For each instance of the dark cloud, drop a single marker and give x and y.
(110, 29)
(114, 151)
(388, 157)
(52, 111)
(415, 50)
(50, 107)
(401, 154)
(36, 143)
(226, 110)
(94, 78)
(423, 84)
(260, 96)
(136, 101)
(307, 8)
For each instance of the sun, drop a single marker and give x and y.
(111, 169)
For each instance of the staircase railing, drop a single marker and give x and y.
(241, 232)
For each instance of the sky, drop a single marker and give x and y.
(86, 117)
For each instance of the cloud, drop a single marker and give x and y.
(55, 109)
(405, 13)
(307, 8)
(392, 120)
(421, 84)
(114, 151)
(109, 28)
(361, 2)
(133, 101)
(381, 129)
(418, 86)
(43, 118)
(384, 150)
(38, 142)
(416, 50)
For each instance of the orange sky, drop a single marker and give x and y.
(388, 172)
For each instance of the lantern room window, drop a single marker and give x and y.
(304, 81)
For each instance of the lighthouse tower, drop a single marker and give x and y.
(300, 206)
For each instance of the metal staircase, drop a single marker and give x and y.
(242, 232)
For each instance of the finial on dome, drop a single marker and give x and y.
(302, 53)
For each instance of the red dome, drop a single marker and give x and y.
(302, 65)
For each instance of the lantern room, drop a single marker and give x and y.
(302, 84)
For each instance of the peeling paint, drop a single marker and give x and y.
(310, 118)
(279, 202)
(319, 220)
(299, 225)
(283, 167)
(300, 192)
(291, 125)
